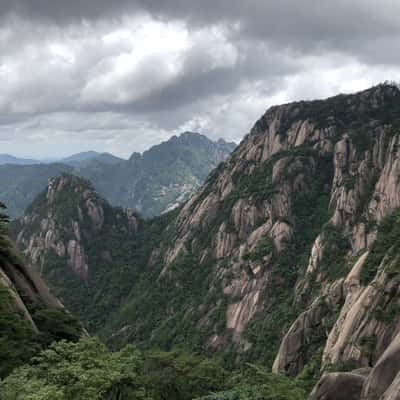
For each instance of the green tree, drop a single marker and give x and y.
(179, 375)
(17, 338)
(255, 383)
(85, 370)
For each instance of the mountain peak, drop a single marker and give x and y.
(69, 198)
(188, 138)
(82, 156)
(74, 213)
(87, 157)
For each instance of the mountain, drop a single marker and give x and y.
(152, 183)
(89, 156)
(161, 178)
(20, 184)
(84, 156)
(75, 159)
(30, 317)
(92, 255)
(288, 254)
(9, 159)
(88, 252)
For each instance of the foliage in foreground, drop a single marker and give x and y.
(87, 370)
(81, 371)
(255, 383)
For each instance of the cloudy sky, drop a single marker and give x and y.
(123, 75)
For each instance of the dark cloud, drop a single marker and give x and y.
(299, 20)
(133, 71)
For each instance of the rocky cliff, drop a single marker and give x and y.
(277, 255)
(89, 252)
(30, 317)
(287, 255)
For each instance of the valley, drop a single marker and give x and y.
(277, 273)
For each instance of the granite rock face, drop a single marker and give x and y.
(73, 239)
(63, 219)
(289, 149)
(25, 285)
(295, 237)
(258, 189)
(339, 386)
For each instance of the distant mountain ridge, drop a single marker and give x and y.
(74, 159)
(153, 182)
(89, 156)
(10, 159)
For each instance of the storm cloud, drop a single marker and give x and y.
(121, 76)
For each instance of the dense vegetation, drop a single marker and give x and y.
(86, 370)
(21, 338)
(163, 311)
(177, 315)
(69, 369)
(311, 212)
(116, 254)
(388, 238)
(355, 119)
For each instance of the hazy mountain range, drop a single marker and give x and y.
(73, 159)
(159, 179)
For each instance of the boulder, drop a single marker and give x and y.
(339, 386)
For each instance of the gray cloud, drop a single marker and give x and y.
(125, 74)
(306, 19)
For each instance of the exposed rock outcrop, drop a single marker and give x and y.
(379, 383)
(283, 228)
(339, 386)
(63, 220)
(384, 374)
(69, 234)
(285, 252)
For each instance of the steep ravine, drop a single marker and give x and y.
(287, 255)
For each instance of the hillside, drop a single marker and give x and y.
(163, 177)
(154, 182)
(87, 263)
(88, 252)
(30, 317)
(286, 256)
